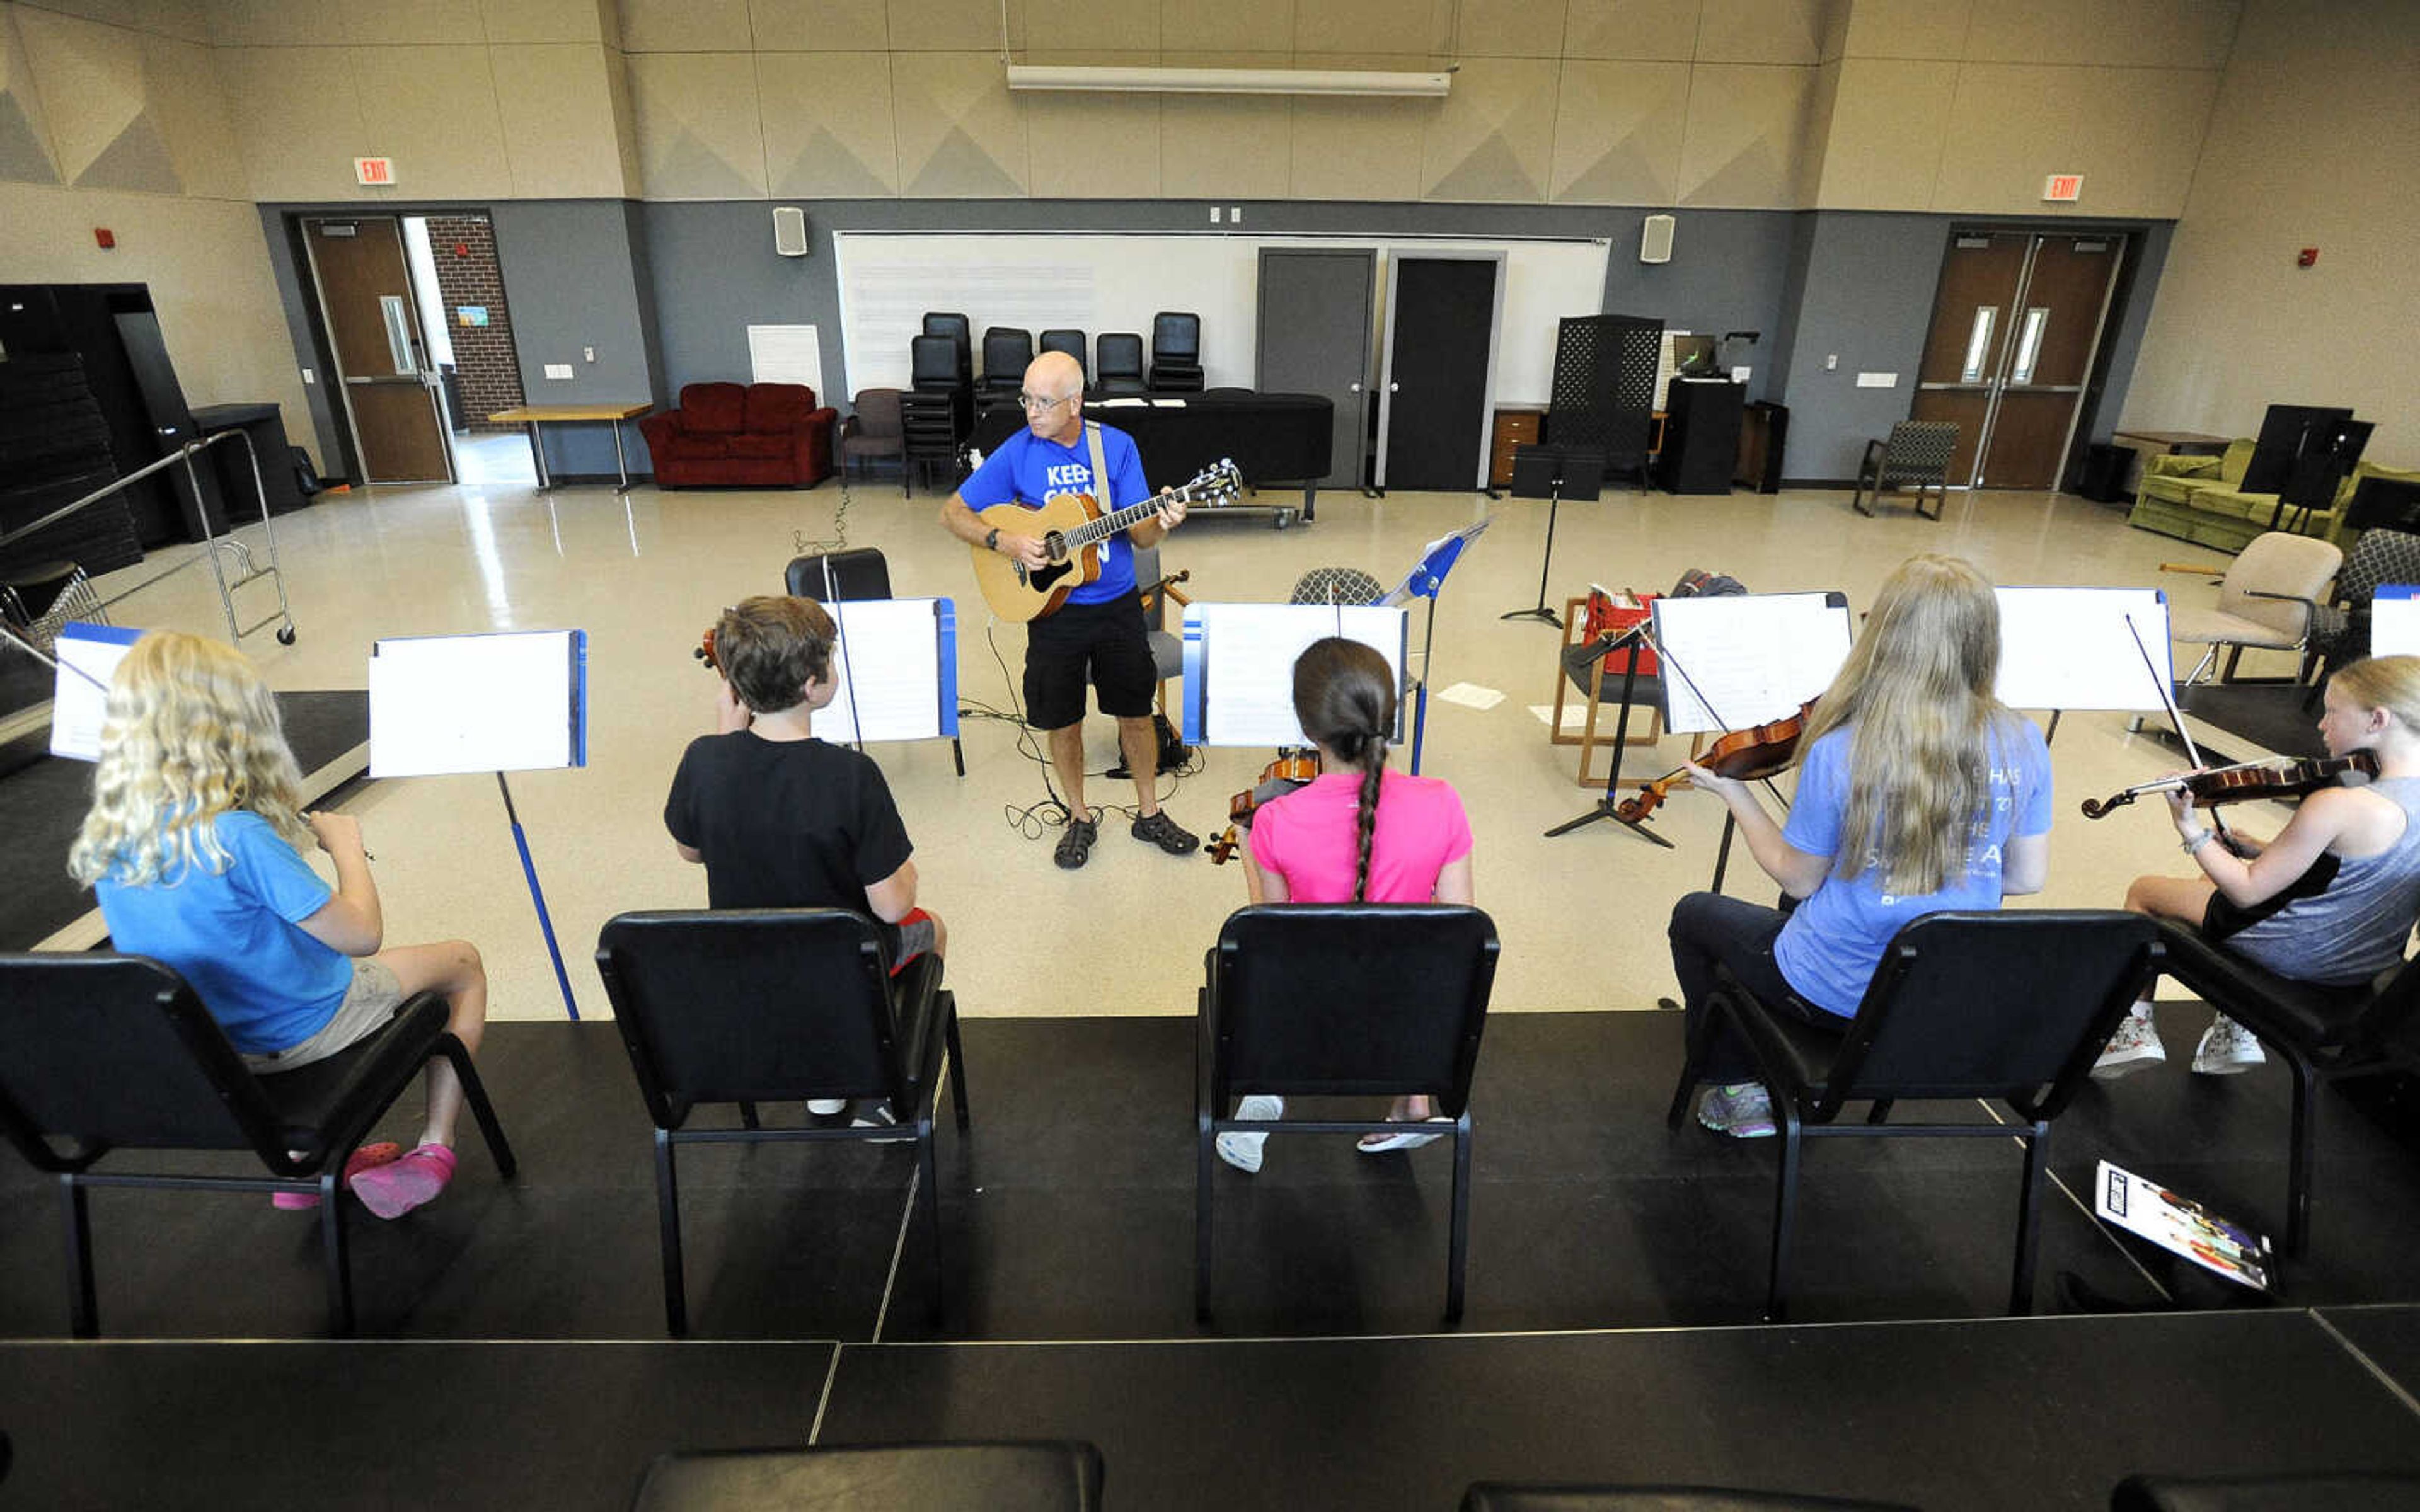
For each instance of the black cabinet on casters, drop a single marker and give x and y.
(1701, 433)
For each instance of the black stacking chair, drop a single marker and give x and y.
(1341, 1000)
(1175, 352)
(859, 573)
(2325, 1034)
(1119, 355)
(1007, 352)
(770, 1005)
(2327, 1491)
(929, 1477)
(957, 328)
(1072, 342)
(102, 1051)
(1490, 1496)
(2011, 1006)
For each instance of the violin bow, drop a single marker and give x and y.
(2177, 719)
(1708, 705)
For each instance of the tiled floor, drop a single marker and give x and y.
(1582, 917)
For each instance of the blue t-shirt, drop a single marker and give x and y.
(1829, 948)
(234, 935)
(1030, 470)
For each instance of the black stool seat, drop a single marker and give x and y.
(931, 1478)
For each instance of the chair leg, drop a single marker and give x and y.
(1458, 1244)
(474, 1092)
(748, 1116)
(928, 1177)
(2302, 1158)
(1785, 1213)
(1880, 1112)
(1693, 1054)
(84, 1311)
(957, 1063)
(335, 1253)
(2021, 1287)
(1202, 1145)
(668, 1228)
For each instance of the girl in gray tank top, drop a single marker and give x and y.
(2361, 843)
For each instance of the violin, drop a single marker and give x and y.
(1278, 779)
(2247, 780)
(1749, 755)
(704, 651)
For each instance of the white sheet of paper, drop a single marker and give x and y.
(1471, 696)
(2071, 648)
(887, 665)
(497, 702)
(787, 354)
(1249, 692)
(78, 707)
(2394, 625)
(1574, 714)
(1753, 657)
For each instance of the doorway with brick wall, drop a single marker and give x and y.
(471, 335)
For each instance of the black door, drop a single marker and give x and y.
(1440, 345)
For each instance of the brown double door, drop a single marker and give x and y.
(383, 371)
(2015, 325)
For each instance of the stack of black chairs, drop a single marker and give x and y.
(1175, 352)
(937, 411)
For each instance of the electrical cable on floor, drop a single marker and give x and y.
(839, 538)
(1035, 819)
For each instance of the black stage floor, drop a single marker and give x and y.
(43, 799)
(1616, 1275)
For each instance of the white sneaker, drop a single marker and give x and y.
(2226, 1049)
(1243, 1150)
(2134, 1046)
(824, 1107)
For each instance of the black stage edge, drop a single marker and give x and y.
(43, 799)
(2283, 718)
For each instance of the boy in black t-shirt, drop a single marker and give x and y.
(777, 818)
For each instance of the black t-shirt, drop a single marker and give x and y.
(785, 824)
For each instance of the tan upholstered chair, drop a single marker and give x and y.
(2267, 599)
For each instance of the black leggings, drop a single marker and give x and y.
(1709, 929)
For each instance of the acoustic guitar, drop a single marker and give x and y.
(1072, 529)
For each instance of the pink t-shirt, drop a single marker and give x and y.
(1310, 838)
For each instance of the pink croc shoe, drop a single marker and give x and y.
(369, 1157)
(392, 1190)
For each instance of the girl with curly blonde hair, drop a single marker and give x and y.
(194, 847)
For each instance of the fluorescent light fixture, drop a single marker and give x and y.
(1154, 81)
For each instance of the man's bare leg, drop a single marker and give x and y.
(1068, 763)
(1140, 740)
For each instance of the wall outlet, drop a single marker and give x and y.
(308, 376)
(1832, 361)
(558, 370)
(1878, 380)
(588, 354)
(1236, 214)
(1214, 215)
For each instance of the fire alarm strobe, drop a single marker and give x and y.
(108, 239)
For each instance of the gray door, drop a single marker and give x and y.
(1314, 338)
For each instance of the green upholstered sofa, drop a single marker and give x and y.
(2195, 499)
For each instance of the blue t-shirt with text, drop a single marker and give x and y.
(1030, 470)
(1830, 947)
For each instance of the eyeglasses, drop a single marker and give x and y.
(1034, 403)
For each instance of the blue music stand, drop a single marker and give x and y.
(1423, 581)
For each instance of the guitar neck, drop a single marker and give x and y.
(1111, 524)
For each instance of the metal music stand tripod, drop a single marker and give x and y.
(1553, 473)
(1630, 639)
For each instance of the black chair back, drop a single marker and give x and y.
(932, 363)
(692, 994)
(1007, 351)
(1070, 341)
(1175, 337)
(1119, 358)
(961, 334)
(1341, 998)
(855, 574)
(1999, 1004)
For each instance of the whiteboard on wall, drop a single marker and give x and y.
(1094, 282)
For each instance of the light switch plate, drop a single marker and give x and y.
(1878, 380)
(558, 370)
(308, 376)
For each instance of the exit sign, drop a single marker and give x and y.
(2061, 186)
(381, 171)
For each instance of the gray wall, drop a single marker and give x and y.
(576, 274)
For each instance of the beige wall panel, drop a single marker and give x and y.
(695, 121)
(298, 143)
(1617, 132)
(626, 126)
(2168, 34)
(828, 130)
(2008, 127)
(1099, 26)
(1335, 26)
(91, 80)
(953, 26)
(2139, 135)
(515, 22)
(1509, 28)
(409, 22)
(182, 81)
(1760, 31)
(188, 21)
(1358, 148)
(26, 155)
(1225, 27)
(1493, 137)
(1657, 30)
(822, 25)
(1907, 28)
(685, 26)
(108, 12)
(275, 24)
(1883, 150)
(1231, 147)
(433, 110)
(1092, 147)
(1745, 132)
(961, 135)
(2036, 32)
(556, 102)
(1815, 134)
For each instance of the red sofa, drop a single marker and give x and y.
(730, 433)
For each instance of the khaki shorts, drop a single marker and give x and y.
(368, 1003)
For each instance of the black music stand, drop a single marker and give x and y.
(1554, 473)
(1632, 640)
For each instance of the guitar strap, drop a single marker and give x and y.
(1100, 466)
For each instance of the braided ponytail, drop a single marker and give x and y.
(1345, 695)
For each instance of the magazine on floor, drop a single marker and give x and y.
(2183, 1227)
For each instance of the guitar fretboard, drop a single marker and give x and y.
(1108, 525)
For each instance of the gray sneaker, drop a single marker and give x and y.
(2134, 1046)
(1243, 1150)
(2226, 1049)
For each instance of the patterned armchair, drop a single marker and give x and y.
(1917, 454)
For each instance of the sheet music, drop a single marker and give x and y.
(2070, 648)
(889, 657)
(1753, 657)
(512, 702)
(1239, 665)
(78, 707)
(2393, 622)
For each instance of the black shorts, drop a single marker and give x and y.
(1103, 645)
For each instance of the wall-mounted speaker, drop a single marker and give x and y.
(1655, 240)
(790, 231)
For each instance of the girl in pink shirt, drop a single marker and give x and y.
(1358, 833)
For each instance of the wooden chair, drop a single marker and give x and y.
(1584, 619)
